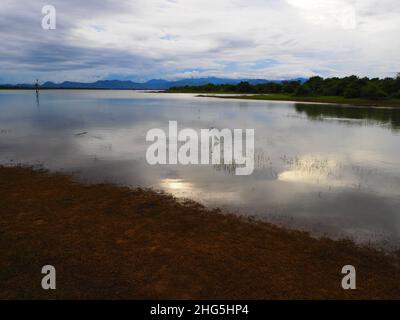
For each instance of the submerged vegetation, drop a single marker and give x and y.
(347, 89)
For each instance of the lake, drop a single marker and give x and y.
(324, 168)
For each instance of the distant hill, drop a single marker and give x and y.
(155, 84)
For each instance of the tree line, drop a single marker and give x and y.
(349, 87)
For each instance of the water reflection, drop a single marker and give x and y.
(320, 175)
(37, 100)
(176, 186)
(384, 116)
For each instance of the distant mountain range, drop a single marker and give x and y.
(155, 84)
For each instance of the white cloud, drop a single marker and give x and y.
(337, 13)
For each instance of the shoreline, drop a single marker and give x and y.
(326, 100)
(108, 241)
(392, 104)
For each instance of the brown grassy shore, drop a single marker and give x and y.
(108, 241)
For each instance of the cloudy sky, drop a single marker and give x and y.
(171, 39)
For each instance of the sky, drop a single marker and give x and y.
(172, 39)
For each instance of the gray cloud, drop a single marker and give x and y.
(168, 39)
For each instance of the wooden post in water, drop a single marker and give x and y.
(37, 92)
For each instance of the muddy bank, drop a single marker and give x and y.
(113, 242)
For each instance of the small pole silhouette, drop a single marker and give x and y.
(37, 92)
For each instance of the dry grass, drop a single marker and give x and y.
(113, 242)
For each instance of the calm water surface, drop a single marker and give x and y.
(328, 169)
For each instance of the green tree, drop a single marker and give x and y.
(303, 91)
(243, 87)
(372, 91)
